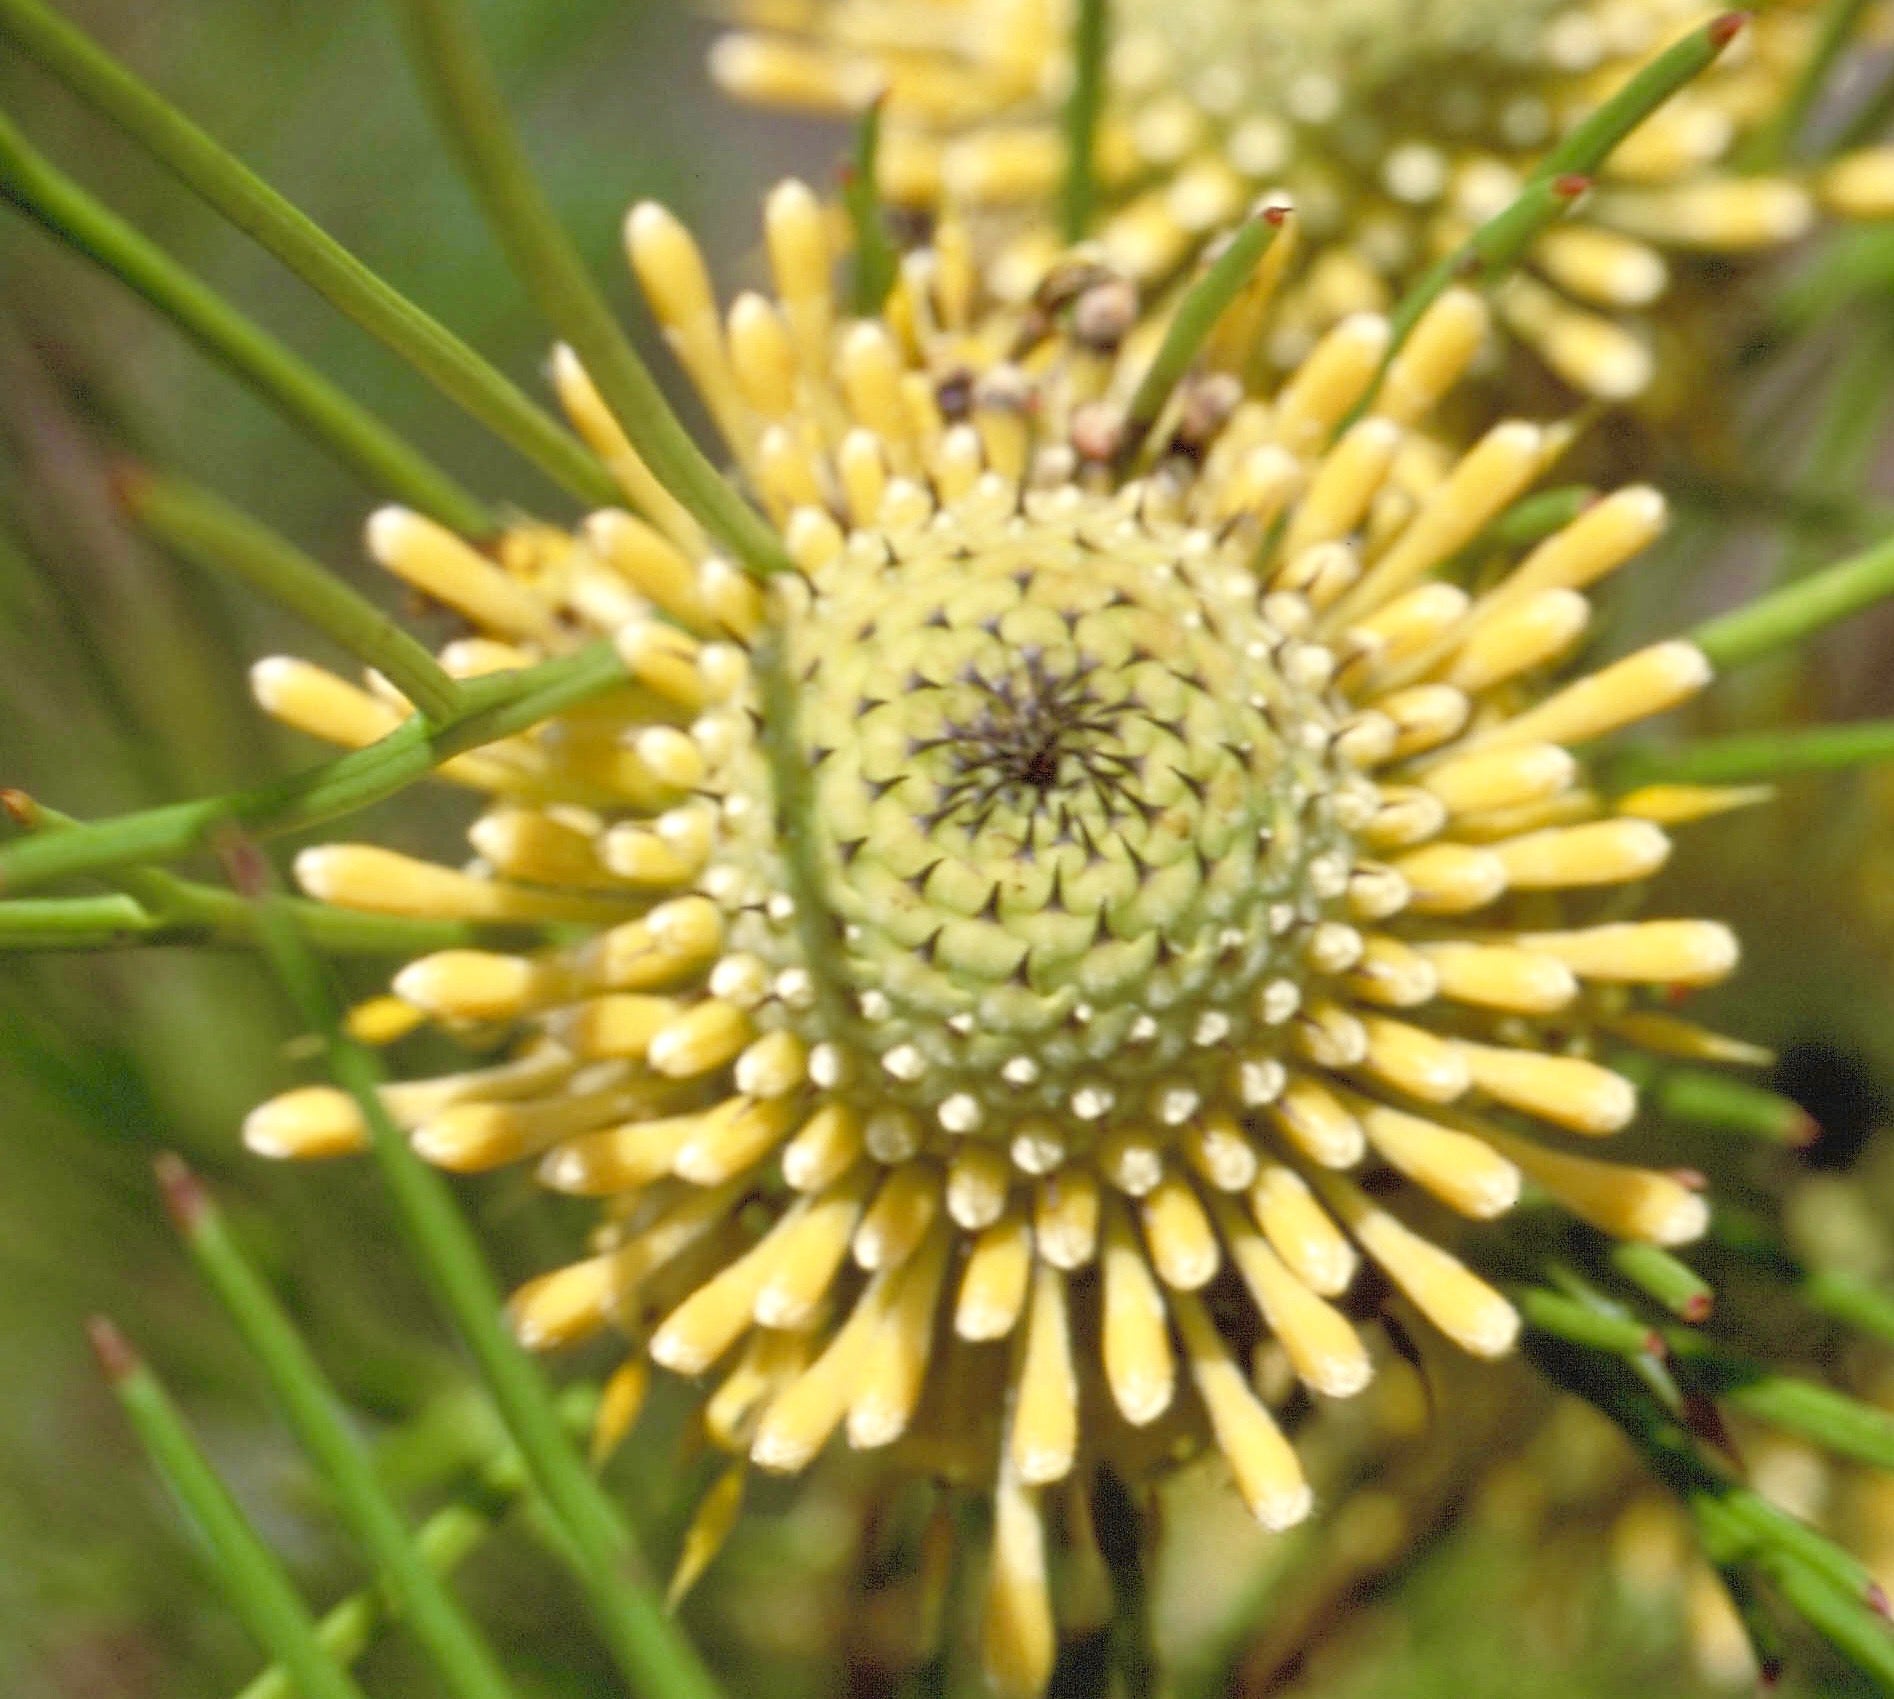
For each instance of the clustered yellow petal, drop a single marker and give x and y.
(1182, 884)
(1394, 128)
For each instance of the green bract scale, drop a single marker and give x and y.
(1014, 969)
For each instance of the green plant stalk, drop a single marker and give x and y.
(119, 921)
(1203, 303)
(243, 198)
(448, 58)
(1858, 1633)
(214, 535)
(1714, 1101)
(60, 206)
(1661, 1277)
(1556, 182)
(875, 260)
(1838, 1423)
(1759, 757)
(492, 708)
(1560, 1317)
(252, 1579)
(1091, 41)
(444, 1541)
(644, 1639)
(1774, 142)
(1797, 610)
(1852, 1301)
(460, 1655)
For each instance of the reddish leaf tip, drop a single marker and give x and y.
(116, 1357)
(1696, 1308)
(1571, 185)
(185, 1196)
(1724, 28)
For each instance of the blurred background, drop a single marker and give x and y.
(1533, 1560)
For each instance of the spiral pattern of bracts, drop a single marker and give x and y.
(1393, 129)
(1182, 884)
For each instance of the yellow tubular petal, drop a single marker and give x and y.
(1655, 952)
(802, 1416)
(1451, 878)
(1443, 1289)
(382, 1020)
(1601, 852)
(1860, 184)
(1486, 479)
(1183, 1244)
(885, 1397)
(1678, 805)
(478, 985)
(1601, 265)
(1501, 778)
(619, 1406)
(663, 660)
(650, 562)
(903, 1209)
(439, 564)
(767, 1363)
(1134, 1337)
(523, 843)
(314, 700)
(993, 1285)
(1393, 974)
(616, 1026)
(1300, 1231)
(1424, 716)
(1499, 976)
(705, 1036)
(978, 1179)
(1408, 625)
(1642, 684)
(564, 1306)
(1720, 214)
(1523, 633)
(1017, 1638)
(1344, 484)
(764, 357)
(1464, 1172)
(1414, 1061)
(829, 1143)
(1669, 1036)
(311, 1123)
(733, 1143)
(1591, 352)
(606, 438)
(379, 881)
(1628, 1203)
(1065, 1215)
(1568, 1090)
(707, 1323)
(1044, 1437)
(716, 1515)
(1331, 380)
(1218, 1149)
(1267, 1473)
(1317, 1123)
(811, 1252)
(620, 1159)
(672, 274)
(1437, 352)
(1325, 1351)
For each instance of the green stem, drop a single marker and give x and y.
(252, 1578)
(493, 707)
(459, 1654)
(214, 535)
(1660, 1276)
(242, 197)
(875, 259)
(643, 1637)
(1773, 142)
(1759, 757)
(1091, 35)
(1557, 181)
(1851, 1301)
(452, 66)
(1197, 313)
(1796, 610)
(1560, 1317)
(1840, 1424)
(355, 435)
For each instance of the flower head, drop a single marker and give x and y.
(1134, 870)
(1394, 130)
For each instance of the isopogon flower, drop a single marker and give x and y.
(1124, 879)
(1395, 129)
